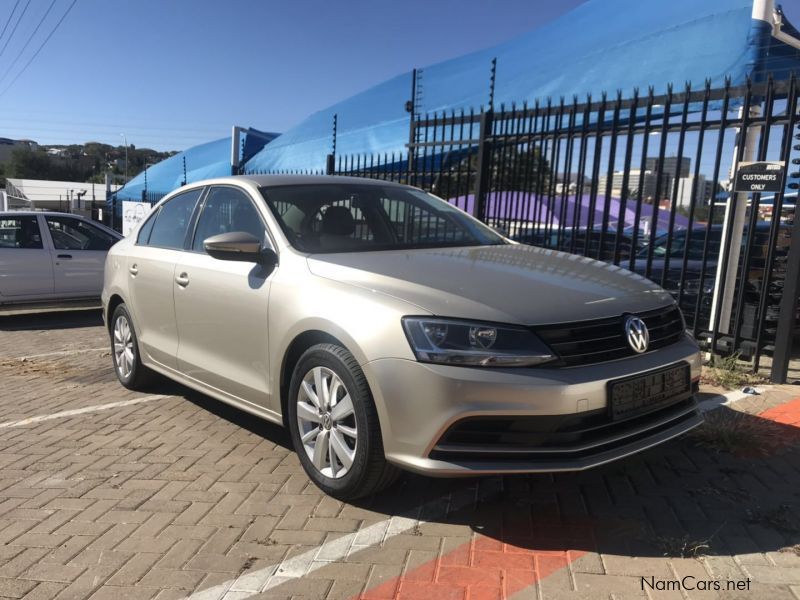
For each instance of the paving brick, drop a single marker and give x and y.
(113, 592)
(53, 572)
(134, 569)
(171, 578)
(383, 582)
(45, 590)
(215, 562)
(15, 588)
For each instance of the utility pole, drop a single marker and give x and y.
(125, 139)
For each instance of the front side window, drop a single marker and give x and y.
(227, 209)
(74, 234)
(363, 217)
(20, 232)
(173, 219)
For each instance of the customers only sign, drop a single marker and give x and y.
(762, 176)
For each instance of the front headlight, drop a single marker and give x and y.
(453, 342)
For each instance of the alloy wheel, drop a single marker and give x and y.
(326, 422)
(123, 347)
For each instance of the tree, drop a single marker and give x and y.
(512, 167)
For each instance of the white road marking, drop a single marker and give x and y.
(79, 411)
(251, 583)
(59, 353)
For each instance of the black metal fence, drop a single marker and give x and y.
(642, 182)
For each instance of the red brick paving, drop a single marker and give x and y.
(785, 414)
(481, 569)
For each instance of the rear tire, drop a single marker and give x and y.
(128, 366)
(337, 435)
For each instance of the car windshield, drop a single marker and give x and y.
(326, 218)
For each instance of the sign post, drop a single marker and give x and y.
(735, 209)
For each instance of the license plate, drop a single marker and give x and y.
(643, 393)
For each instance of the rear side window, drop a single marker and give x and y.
(20, 232)
(144, 233)
(172, 221)
(74, 234)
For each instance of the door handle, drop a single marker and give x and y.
(182, 280)
(133, 269)
(64, 256)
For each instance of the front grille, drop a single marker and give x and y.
(602, 340)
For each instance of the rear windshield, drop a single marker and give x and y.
(325, 218)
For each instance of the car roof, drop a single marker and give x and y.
(27, 213)
(285, 180)
(33, 213)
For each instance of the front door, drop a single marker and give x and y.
(221, 306)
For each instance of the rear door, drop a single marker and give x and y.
(26, 271)
(78, 255)
(151, 272)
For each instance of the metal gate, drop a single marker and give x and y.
(643, 182)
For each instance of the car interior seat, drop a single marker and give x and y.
(338, 227)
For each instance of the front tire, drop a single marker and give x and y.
(128, 366)
(334, 424)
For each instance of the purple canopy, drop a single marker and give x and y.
(528, 207)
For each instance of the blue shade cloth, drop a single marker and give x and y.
(212, 159)
(602, 45)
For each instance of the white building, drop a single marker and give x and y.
(38, 194)
(686, 185)
(646, 180)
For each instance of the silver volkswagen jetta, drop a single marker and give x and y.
(387, 329)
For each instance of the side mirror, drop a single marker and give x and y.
(240, 246)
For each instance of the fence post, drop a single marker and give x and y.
(330, 164)
(483, 173)
(786, 316)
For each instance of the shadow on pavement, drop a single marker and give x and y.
(687, 498)
(51, 320)
(260, 427)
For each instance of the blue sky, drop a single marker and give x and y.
(170, 74)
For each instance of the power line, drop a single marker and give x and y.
(8, 22)
(16, 120)
(14, 30)
(39, 49)
(30, 38)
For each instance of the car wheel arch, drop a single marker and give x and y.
(113, 302)
(291, 356)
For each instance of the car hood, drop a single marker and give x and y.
(510, 283)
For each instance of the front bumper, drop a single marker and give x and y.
(554, 419)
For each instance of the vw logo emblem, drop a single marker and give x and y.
(637, 334)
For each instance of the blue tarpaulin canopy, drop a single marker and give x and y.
(601, 46)
(212, 159)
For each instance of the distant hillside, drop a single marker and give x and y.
(77, 162)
